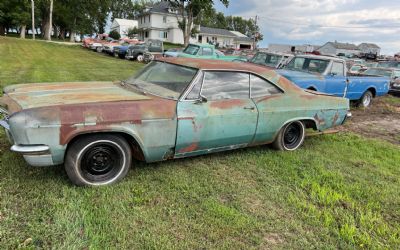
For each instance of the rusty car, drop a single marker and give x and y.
(172, 108)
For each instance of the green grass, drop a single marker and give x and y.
(337, 191)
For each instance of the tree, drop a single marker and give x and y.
(114, 35)
(132, 32)
(188, 11)
(49, 25)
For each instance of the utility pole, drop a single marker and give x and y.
(33, 19)
(255, 34)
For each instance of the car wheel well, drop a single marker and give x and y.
(137, 151)
(312, 88)
(310, 124)
(373, 91)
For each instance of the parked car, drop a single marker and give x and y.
(357, 69)
(392, 73)
(121, 50)
(389, 64)
(328, 75)
(205, 51)
(172, 52)
(270, 59)
(109, 47)
(146, 51)
(173, 108)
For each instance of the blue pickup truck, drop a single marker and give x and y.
(329, 75)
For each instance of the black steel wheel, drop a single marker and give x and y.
(98, 160)
(290, 137)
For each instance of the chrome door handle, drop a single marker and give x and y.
(249, 108)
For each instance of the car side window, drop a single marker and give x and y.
(206, 52)
(219, 85)
(261, 87)
(194, 93)
(337, 69)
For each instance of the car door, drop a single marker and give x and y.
(217, 114)
(335, 80)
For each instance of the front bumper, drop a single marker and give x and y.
(34, 155)
(348, 116)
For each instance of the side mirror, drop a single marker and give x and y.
(202, 99)
(333, 74)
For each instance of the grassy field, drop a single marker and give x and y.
(337, 191)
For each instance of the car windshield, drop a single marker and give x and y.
(266, 59)
(308, 64)
(163, 79)
(378, 72)
(389, 65)
(191, 49)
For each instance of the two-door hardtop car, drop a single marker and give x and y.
(172, 108)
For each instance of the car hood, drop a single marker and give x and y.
(298, 75)
(53, 94)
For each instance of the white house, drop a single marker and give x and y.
(335, 48)
(222, 38)
(160, 21)
(369, 48)
(122, 26)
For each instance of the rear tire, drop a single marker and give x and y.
(97, 160)
(290, 137)
(366, 99)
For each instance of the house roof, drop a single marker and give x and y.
(215, 31)
(370, 45)
(163, 7)
(126, 22)
(348, 46)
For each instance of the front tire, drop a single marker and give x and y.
(97, 160)
(290, 137)
(140, 58)
(366, 99)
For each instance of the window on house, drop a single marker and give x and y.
(149, 18)
(164, 19)
(200, 39)
(163, 34)
(146, 34)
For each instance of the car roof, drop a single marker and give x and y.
(321, 57)
(208, 64)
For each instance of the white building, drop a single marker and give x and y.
(335, 48)
(222, 38)
(160, 21)
(122, 26)
(369, 48)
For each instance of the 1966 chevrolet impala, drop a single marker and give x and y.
(173, 108)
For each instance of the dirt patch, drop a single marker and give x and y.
(271, 239)
(381, 120)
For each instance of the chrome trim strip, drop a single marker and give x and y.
(4, 124)
(30, 149)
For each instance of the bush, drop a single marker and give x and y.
(114, 35)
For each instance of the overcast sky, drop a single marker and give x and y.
(319, 21)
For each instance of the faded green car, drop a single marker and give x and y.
(205, 51)
(173, 108)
